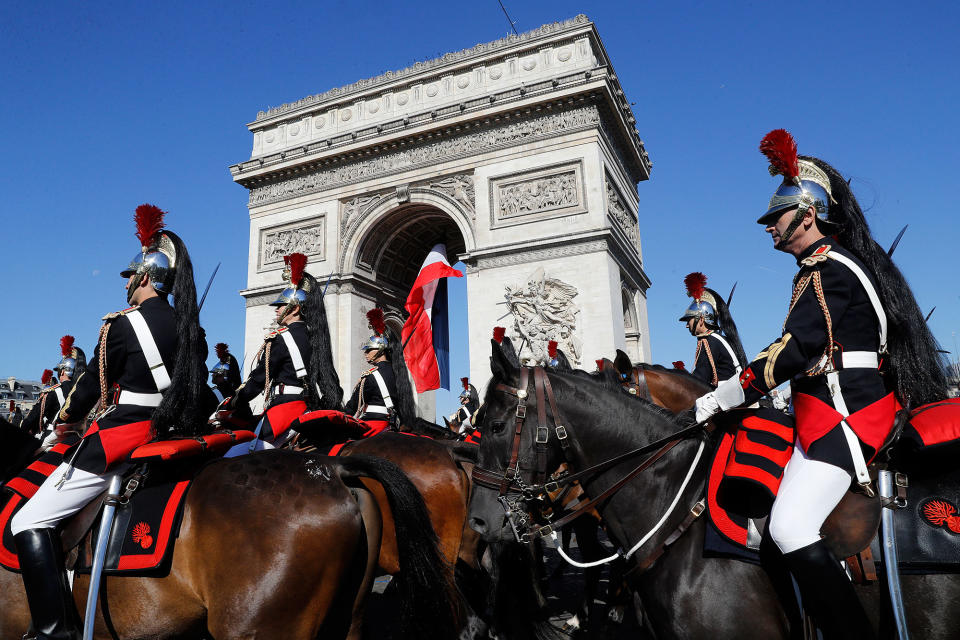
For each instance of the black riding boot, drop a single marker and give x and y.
(828, 594)
(45, 581)
(771, 559)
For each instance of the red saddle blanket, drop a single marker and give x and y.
(146, 527)
(937, 423)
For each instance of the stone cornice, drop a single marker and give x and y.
(464, 140)
(419, 125)
(528, 39)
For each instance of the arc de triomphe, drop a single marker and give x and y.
(520, 155)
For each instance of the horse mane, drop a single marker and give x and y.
(683, 373)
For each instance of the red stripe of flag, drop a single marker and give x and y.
(417, 332)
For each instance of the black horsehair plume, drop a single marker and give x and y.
(917, 368)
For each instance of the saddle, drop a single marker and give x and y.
(149, 509)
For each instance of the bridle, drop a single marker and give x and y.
(513, 490)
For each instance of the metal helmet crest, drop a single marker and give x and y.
(378, 341)
(804, 183)
(704, 305)
(158, 256)
(295, 290)
(72, 357)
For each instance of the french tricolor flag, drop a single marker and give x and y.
(425, 333)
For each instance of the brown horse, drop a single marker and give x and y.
(276, 544)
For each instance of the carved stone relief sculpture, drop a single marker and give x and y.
(458, 187)
(535, 195)
(543, 310)
(621, 215)
(276, 242)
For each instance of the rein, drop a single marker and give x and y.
(511, 480)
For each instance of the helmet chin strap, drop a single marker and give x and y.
(791, 228)
(133, 286)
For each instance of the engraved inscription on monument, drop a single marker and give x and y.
(276, 242)
(536, 195)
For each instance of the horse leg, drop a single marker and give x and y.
(373, 529)
(586, 529)
(14, 613)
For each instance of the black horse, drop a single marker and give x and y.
(684, 594)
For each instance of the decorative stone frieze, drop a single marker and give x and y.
(278, 241)
(443, 150)
(620, 215)
(536, 195)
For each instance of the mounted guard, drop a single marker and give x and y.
(294, 366)
(720, 354)
(462, 419)
(57, 384)
(145, 382)
(855, 347)
(382, 397)
(225, 375)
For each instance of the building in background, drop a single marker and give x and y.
(24, 393)
(520, 155)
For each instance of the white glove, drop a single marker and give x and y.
(728, 395)
(706, 406)
(50, 440)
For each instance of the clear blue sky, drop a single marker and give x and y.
(109, 105)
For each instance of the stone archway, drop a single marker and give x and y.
(520, 154)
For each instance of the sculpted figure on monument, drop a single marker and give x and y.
(543, 310)
(459, 187)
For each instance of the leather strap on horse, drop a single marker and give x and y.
(638, 384)
(512, 469)
(685, 524)
(593, 502)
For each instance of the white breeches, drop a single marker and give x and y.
(49, 505)
(808, 494)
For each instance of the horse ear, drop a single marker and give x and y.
(622, 362)
(563, 364)
(609, 372)
(500, 365)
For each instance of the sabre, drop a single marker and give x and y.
(326, 285)
(416, 318)
(730, 297)
(896, 241)
(927, 319)
(207, 290)
(100, 555)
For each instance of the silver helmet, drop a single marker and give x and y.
(704, 305)
(223, 365)
(295, 291)
(158, 256)
(378, 341)
(72, 358)
(804, 183)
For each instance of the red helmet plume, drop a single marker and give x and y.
(66, 346)
(149, 221)
(222, 350)
(498, 333)
(297, 263)
(13, 405)
(375, 319)
(781, 149)
(678, 364)
(552, 349)
(466, 383)
(600, 364)
(695, 283)
(46, 377)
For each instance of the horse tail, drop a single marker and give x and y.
(428, 602)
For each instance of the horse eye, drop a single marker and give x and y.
(497, 426)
